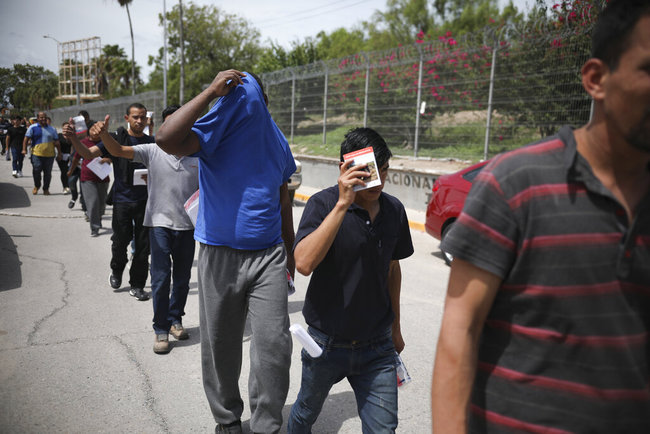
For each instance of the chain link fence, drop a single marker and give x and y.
(466, 98)
(116, 107)
(469, 98)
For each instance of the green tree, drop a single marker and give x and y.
(556, 41)
(213, 40)
(401, 22)
(125, 4)
(28, 87)
(116, 72)
(340, 42)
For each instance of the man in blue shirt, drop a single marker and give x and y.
(245, 230)
(44, 139)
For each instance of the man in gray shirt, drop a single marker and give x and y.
(170, 182)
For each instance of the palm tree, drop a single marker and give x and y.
(181, 95)
(126, 3)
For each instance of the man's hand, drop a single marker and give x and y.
(398, 340)
(349, 177)
(225, 81)
(100, 127)
(68, 130)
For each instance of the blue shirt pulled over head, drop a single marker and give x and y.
(243, 162)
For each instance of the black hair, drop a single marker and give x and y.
(17, 118)
(135, 105)
(169, 110)
(257, 79)
(614, 27)
(259, 82)
(84, 113)
(360, 138)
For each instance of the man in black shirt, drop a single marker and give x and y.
(4, 127)
(14, 143)
(63, 163)
(129, 203)
(352, 242)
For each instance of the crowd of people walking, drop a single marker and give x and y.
(546, 322)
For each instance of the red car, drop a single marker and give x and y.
(447, 200)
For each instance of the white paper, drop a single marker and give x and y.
(307, 342)
(146, 128)
(192, 207)
(137, 176)
(80, 124)
(102, 170)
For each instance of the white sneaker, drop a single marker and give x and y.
(20, 174)
(14, 174)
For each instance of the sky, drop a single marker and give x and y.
(282, 21)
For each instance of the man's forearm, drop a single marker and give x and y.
(453, 377)
(175, 134)
(114, 148)
(394, 291)
(470, 295)
(312, 249)
(288, 234)
(81, 149)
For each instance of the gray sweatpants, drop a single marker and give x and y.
(234, 284)
(94, 194)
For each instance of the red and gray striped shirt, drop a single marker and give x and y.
(565, 346)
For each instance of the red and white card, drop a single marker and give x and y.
(365, 156)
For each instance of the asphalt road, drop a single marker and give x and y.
(76, 356)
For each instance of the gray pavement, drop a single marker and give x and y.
(76, 356)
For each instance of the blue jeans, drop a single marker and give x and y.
(370, 370)
(42, 164)
(167, 246)
(18, 158)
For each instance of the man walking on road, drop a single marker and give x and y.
(244, 218)
(44, 139)
(15, 136)
(129, 203)
(547, 315)
(353, 242)
(170, 182)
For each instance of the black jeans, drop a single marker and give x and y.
(63, 167)
(128, 218)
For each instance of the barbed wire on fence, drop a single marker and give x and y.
(467, 97)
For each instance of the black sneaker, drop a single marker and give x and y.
(115, 280)
(139, 294)
(71, 204)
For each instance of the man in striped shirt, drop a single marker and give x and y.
(547, 312)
